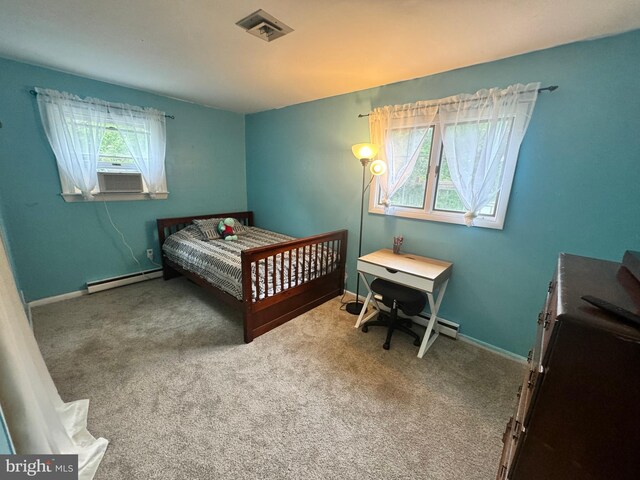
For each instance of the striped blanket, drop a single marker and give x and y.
(218, 261)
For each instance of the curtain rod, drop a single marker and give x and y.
(550, 88)
(34, 93)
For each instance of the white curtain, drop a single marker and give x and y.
(39, 421)
(401, 131)
(144, 132)
(477, 133)
(75, 128)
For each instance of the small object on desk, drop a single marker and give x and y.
(630, 317)
(397, 243)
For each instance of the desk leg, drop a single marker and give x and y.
(361, 318)
(432, 326)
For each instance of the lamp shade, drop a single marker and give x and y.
(378, 167)
(364, 151)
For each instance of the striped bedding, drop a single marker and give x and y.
(218, 261)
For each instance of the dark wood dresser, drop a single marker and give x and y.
(578, 409)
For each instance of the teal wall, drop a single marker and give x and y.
(57, 246)
(576, 188)
(5, 445)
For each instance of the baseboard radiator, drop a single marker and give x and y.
(446, 327)
(114, 282)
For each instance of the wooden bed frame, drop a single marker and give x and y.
(266, 312)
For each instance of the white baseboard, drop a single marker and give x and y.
(492, 348)
(56, 298)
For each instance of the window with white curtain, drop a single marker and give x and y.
(103, 150)
(451, 160)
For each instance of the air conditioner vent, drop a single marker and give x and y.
(120, 182)
(264, 26)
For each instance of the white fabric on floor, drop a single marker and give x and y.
(39, 421)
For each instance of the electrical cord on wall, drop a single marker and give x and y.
(124, 241)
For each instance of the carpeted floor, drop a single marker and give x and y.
(180, 396)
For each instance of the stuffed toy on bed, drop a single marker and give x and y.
(225, 229)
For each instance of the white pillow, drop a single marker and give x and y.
(208, 227)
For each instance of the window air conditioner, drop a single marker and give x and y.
(110, 182)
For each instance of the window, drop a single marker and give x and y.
(463, 176)
(114, 153)
(104, 150)
(412, 193)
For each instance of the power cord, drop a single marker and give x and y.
(124, 241)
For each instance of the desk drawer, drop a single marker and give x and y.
(420, 283)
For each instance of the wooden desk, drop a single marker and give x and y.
(426, 274)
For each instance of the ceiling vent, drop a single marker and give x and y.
(264, 26)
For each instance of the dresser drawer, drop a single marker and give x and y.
(511, 438)
(421, 283)
(507, 451)
(546, 323)
(525, 394)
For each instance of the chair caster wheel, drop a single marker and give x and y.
(365, 329)
(417, 343)
(386, 346)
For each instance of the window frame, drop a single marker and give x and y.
(424, 199)
(429, 212)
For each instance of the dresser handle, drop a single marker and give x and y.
(516, 430)
(391, 270)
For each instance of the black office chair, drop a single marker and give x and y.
(395, 296)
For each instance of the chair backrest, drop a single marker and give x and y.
(409, 300)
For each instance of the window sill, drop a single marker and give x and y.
(113, 197)
(480, 221)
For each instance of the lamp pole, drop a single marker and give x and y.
(355, 307)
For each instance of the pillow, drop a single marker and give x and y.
(239, 228)
(208, 227)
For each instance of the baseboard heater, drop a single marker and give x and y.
(446, 327)
(113, 282)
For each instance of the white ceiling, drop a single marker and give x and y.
(192, 49)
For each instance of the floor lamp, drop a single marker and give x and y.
(365, 153)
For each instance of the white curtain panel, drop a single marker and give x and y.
(39, 421)
(144, 132)
(400, 130)
(478, 131)
(75, 128)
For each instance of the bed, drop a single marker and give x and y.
(270, 277)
